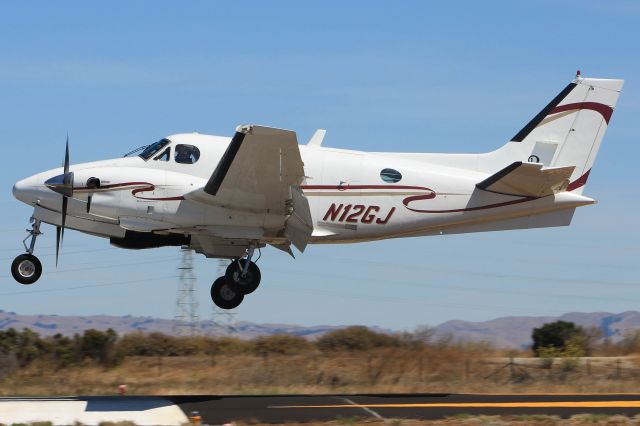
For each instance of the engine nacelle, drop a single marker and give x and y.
(143, 240)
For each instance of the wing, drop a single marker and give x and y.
(528, 179)
(260, 173)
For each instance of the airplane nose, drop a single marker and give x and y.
(25, 190)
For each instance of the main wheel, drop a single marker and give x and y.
(224, 295)
(26, 269)
(245, 283)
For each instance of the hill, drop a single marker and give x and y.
(506, 332)
(516, 331)
(49, 325)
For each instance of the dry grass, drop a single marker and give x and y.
(380, 371)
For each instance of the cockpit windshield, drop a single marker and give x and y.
(152, 149)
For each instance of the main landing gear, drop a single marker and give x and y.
(26, 268)
(242, 277)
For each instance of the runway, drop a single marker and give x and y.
(301, 408)
(216, 410)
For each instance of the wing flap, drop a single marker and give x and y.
(257, 170)
(528, 180)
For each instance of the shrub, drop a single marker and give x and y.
(557, 335)
(283, 344)
(100, 346)
(355, 338)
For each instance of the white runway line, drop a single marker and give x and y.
(366, 409)
(91, 411)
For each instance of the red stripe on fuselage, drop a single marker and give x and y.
(348, 187)
(146, 188)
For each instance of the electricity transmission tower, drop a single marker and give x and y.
(222, 320)
(185, 320)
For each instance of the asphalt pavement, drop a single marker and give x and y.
(218, 410)
(304, 408)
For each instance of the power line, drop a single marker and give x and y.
(59, 289)
(538, 278)
(450, 287)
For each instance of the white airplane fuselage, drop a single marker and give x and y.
(349, 200)
(224, 197)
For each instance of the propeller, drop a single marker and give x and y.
(63, 185)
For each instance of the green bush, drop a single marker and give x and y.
(566, 338)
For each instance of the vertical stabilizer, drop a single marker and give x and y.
(569, 130)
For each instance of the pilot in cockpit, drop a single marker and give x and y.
(186, 154)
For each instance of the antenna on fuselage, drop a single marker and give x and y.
(317, 138)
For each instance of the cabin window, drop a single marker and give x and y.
(164, 156)
(154, 148)
(390, 175)
(186, 154)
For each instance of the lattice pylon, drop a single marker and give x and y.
(185, 320)
(222, 320)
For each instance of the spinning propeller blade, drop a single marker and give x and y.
(66, 157)
(62, 184)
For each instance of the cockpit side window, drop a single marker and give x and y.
(165, 155)
(186, 154)
(154, 148)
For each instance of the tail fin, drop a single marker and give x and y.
(568, 131)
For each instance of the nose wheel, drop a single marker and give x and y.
(26, 268)
(242, 277)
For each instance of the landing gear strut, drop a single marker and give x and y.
(26, 268)
(242, 277)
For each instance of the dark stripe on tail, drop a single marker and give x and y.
(542, 114)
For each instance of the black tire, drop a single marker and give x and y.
(246, 284)
(224, 295)
(26, 269)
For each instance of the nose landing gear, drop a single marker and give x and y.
(26, 268)
(242, 277)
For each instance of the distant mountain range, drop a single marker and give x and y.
(516, 331)
(503, 332)
(48, 325)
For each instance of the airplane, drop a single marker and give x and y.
(229, 197)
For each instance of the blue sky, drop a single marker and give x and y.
(380, 76)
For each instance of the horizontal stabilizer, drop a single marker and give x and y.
(528, 180)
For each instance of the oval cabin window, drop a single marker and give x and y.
(390, 175)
